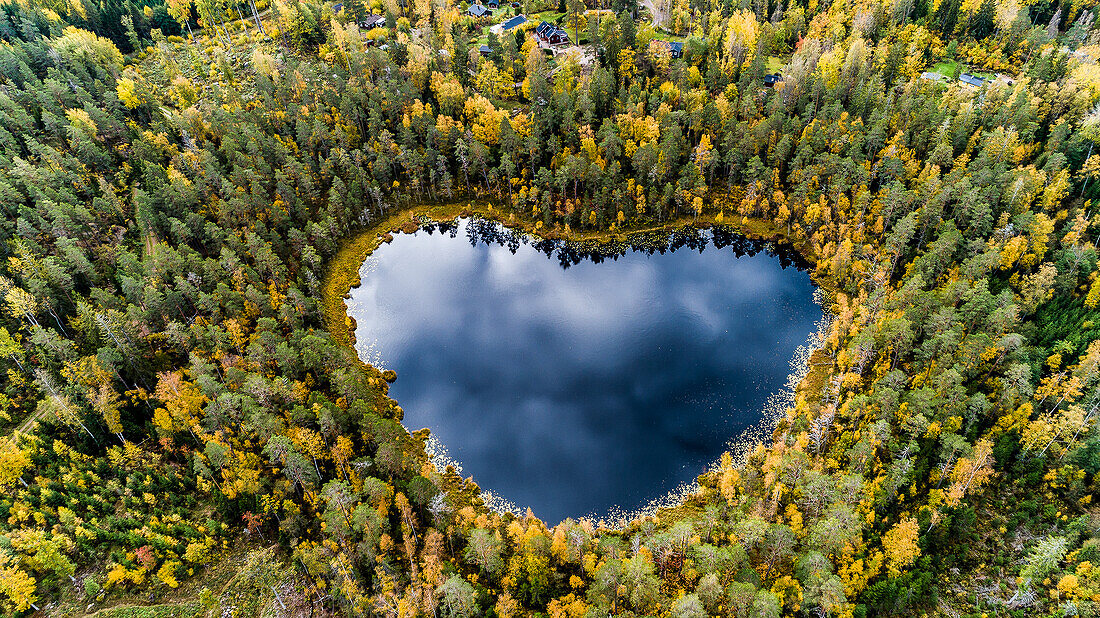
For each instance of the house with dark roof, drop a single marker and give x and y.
(493, 4)
(506, 26)
(478, 10)
(971, 80)
(372, 21)
(675, 48)
(551, 34)
(485, 50)
(772, 79)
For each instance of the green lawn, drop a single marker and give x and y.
(668, 36)
(550, 16)
(774, 63)
(946, 67)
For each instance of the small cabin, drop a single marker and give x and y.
(493, 4)
(675, 48)
(485, 50)
(971, 80)
(479, 10)
(372, 21)
(772, 79)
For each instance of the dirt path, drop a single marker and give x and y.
(26, 425)
(658, 18)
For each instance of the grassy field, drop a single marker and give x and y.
(171, 610)
(550, 16)
(234, 565)
(947, 68)
(668, 36)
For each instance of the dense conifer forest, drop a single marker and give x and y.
(186, 430)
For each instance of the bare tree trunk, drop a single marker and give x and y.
(256, 16)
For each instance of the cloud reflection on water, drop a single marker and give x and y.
(576, 390)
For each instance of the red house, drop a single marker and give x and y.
(551, 34)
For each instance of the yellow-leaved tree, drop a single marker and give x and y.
(13, 461)
(182, 402)
(17, 588)
(900, 544)
(741, 32)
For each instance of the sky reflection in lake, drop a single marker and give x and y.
(575, 390)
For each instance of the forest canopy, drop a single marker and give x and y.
(185, 425)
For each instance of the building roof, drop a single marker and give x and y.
(518, 20)
(547, 30)
(675, 47)
(485, 49)
(477, 10)
(373, 20)
(969, 79)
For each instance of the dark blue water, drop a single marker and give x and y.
(573, 390)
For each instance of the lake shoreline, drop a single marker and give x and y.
(341, 273)
(663, 302)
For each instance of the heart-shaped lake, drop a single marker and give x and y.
(577, 384)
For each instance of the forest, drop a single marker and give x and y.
(185, 430)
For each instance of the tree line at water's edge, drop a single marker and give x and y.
(171, 396)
